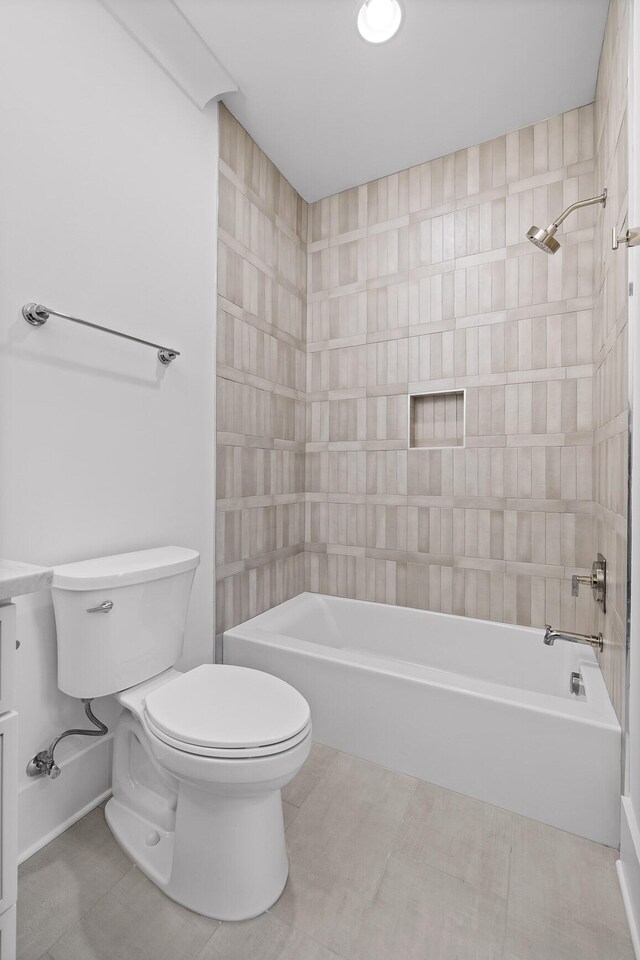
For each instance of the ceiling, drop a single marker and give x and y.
(333, 111)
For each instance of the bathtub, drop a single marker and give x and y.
(481, 708)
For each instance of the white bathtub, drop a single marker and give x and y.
(482, 708)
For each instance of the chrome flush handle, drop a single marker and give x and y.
(105, 607)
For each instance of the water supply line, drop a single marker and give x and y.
(44, 762)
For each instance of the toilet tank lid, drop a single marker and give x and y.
(123, 569)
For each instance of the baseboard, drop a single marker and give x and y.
(46, 808)
(628, 867)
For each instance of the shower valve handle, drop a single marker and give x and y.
(597, 580)
(577, 580)
(630, 237)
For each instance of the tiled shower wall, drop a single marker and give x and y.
(424, 281)
(610, 345)
(260, 381)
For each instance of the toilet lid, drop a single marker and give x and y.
(219, 705)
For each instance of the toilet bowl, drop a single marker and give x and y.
(199, 757)
(204, 819)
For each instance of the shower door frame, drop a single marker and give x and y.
(628, 866)
(631, 720)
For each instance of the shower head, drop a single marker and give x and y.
(545, 239)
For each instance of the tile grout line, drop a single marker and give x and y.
(302, 933)
(393, 841)
(204, 946)
(508, 894)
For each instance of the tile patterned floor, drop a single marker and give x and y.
(383, 867)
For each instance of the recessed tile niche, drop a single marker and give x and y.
(436, 420)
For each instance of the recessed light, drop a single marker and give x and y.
(378, 20)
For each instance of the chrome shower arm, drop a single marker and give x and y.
(545, 239)
(581, 203)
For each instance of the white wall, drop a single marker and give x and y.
(107, 212)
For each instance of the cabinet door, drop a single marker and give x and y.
(7, 657)
(8, 811)
(8, 934)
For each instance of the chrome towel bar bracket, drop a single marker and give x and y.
(36, 314)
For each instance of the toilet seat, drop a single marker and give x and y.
(224, 711)
(222, 753)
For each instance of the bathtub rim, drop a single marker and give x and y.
(596, 710)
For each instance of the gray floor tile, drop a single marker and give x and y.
(324, 906)
(265, 938)
(419, 913)
(383, 867)
(565, 881)
(63, 880)
(531, 936)
(348, 824)
(320, 760)
(463, 837)
(135, 921)
(339, 846)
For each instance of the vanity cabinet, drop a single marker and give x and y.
(16, 579)
(8, 934)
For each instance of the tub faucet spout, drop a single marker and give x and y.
(591, 639)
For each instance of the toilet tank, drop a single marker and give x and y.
(120, 620)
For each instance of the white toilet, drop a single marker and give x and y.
(200, 757)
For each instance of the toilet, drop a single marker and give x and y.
(199, 757)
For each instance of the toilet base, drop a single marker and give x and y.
(215, 845)
(137, 837)
(152, 851)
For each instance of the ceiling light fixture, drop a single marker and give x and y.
(379, 20)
